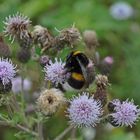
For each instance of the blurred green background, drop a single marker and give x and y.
(117, 38)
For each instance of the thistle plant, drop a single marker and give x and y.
(88, 107)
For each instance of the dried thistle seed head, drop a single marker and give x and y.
(43, 37)
(50, 100)
(90, 38)
(16, 26)
(4, 49)
(68, 36)
(23, 55)
(101, 81)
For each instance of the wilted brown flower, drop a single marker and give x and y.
(50, 100)
(67, 36)
(43, 37)
(101, 81)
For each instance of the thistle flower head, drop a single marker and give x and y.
(125, 113)
(16, 26)
(7, 71)
(55, 72)
(121, 11)
(84, 111)
(50, 100)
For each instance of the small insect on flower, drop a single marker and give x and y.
(7, 73)
(16, 26)
(55, 72)
(125, 113)
(50, 100)
(84, 111)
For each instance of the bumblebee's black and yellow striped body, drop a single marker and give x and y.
(75, 63)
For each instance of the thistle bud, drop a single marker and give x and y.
(101, 93)
(24, 55)
(44, 60)
(4, 49)
(90, 38)
(106, 65)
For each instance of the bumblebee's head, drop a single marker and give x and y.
(72, 61)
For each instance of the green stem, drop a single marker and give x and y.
(59, 137)
(19, 127)
(40, 130)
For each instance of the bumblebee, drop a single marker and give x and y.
(81, 70)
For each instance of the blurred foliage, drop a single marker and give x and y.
(119, 39)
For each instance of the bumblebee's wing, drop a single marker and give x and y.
(85, 73)
(88, 73)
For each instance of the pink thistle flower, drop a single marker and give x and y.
(7, 71)
(125, 113)
(84, 111)
(55, 72)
